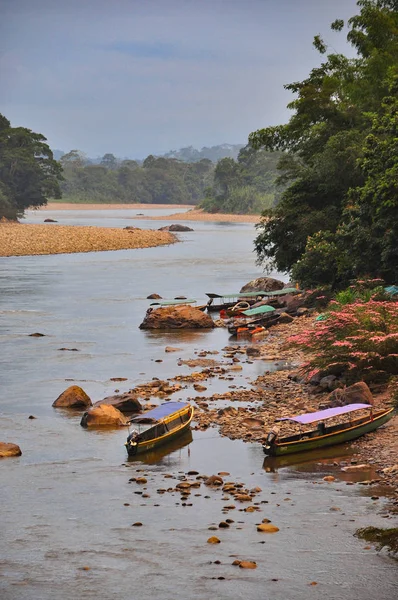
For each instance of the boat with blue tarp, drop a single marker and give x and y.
(325, 434)
(158, 426)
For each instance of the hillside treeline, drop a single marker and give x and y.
(239, 186)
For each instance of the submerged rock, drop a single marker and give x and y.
(7, 449)
(175, 227)
(176, 317)
(126, 403)
(73, 397)
(103, 416)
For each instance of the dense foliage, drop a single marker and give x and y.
(245, 185)
(338, 216)
(357, 334)
(28, 172)
(157, 180)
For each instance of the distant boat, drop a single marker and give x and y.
(219, 302)
(158, 426)
(178, 302)
(325, 435)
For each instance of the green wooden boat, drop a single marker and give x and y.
(159, 426)
(325, 435)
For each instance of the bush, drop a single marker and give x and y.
(361, 335)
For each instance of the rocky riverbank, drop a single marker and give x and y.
(18, 239)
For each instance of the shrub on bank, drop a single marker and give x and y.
(361, 338)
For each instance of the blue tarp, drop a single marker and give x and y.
(392, 290)
(160, 412)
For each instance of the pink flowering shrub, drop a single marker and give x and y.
(361, 336)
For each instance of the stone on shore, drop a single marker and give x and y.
(358, 393)
(73, 397)
(7, 450)
(263, 284)
(126, 403)
(103, 416)
(177, 317)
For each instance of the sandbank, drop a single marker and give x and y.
(194, 214)
(18, 239)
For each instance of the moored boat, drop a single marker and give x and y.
(218, 302)
(325, 435)
(158, 426)
(179, 302)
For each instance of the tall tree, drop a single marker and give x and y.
(29, 175)
(325, 137)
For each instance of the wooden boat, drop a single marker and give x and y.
(261, 316)
(219, 302)
(158, 426)
(325, 435)
(178, 302)
(161, 453)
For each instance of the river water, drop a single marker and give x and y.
(68, 505)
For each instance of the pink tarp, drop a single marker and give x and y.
(325, 414)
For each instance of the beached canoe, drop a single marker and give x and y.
(325, 435)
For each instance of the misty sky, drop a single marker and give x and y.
(135, 77)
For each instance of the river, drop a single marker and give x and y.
(68, 505)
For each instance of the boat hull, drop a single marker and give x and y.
(329, 439)
(152, 444)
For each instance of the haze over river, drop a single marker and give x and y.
(67, 506)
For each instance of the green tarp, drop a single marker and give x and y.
(259, 310)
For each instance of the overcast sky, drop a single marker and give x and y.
(135, 77)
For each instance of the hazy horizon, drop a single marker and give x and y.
(134, 78)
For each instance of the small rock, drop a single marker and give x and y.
(267, 528)
(213, 540)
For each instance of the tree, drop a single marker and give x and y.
(109, 161)
(324, 140)
(28, 172)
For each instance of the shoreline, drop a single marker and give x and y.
(194, 214)
(99, 206)
(277, 394)
(23, 239)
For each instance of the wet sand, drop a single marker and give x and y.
(17, 239)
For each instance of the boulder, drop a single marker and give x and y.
(263, 284)
(328, 382)
(284, 318)
(50, 221)
(73, 397)
(358, 393)
(7, 449)
(154, 297)
(175, 227)
(177, 317)
(126, 403)
(103, 416)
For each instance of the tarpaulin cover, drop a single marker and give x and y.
(325, 414)
(172, 302)
(259, 310)
(160, 412)
(392, 290)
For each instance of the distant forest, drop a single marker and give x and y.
(244, 184)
